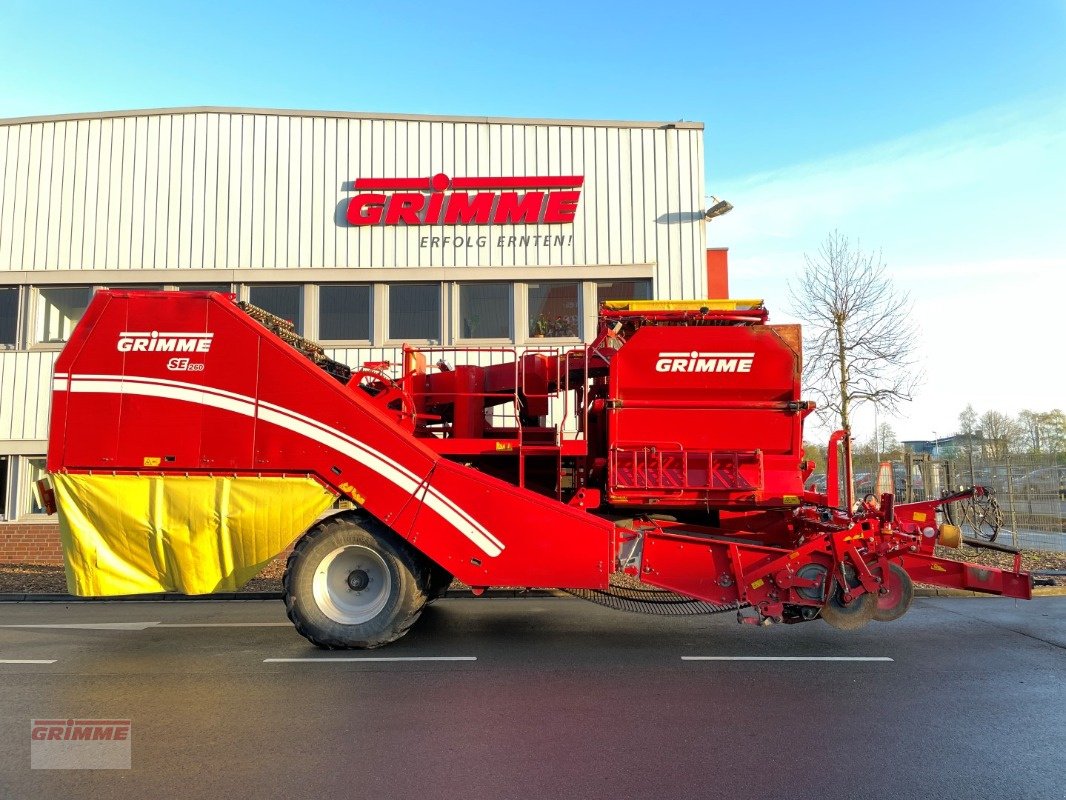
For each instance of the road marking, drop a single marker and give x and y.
(224, 625)
(92, 626)
(368, 659)
(786, 658)
(28, 660)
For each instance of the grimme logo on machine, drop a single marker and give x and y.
(441, 200)
(157, 342)
(695, 361)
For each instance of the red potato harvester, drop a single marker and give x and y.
(194, 437)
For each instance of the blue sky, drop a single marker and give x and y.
(933, 131)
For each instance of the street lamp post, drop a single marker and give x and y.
(718, 208)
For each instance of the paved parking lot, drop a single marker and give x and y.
(537, 698)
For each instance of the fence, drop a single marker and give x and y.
(1030, 491)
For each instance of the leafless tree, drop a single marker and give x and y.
(1043, 431)
(888, 445)
(1002, 434)
(859, 340)
(967, 428)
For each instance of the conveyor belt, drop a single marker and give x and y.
(649, 601)
(286, 331)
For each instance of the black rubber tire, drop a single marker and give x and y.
(406, 597)
(437, 582)
(894, 605)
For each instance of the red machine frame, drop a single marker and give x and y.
(669, 448)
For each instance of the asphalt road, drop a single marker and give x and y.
(555, 698)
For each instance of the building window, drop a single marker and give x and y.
(3, 487)
(204, 287)
(9, 317)
(622, 290)
(554, 309)
(32, 471)
(281, 301)
(414, 312)
(344, 312)
(58, 310)
(485, 310)
(135, 287)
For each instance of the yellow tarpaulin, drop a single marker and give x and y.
(128, 534)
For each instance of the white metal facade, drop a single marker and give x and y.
(243, 197)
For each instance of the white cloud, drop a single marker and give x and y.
(971, 219)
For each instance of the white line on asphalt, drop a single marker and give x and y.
(28, 660)
(785, 658)
(92, 626)
(379, 658)
(224, 625)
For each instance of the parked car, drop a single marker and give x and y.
(992, 477)
(1049, 481)
(1041, 497)
(865, 483)
(816, 483)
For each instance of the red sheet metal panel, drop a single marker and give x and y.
(187, 382)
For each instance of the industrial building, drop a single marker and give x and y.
(365, 230)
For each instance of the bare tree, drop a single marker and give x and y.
(1043, 431)
(881, 446)
(888, 445)
(859, 340)
(1001, 433)
(968, 427)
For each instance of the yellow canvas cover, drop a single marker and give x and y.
(134, 534)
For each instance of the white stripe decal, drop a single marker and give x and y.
(166, 382)
(297, 423)
(372, 460)
(432, 493)
(197, 396)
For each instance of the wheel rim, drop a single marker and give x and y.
(898, 591)
(352, 585)
(813, 572)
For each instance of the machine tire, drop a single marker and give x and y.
(848, 616)
(894, 603)
(437, 581)
(351, 582)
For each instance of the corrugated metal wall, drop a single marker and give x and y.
(25, 392)
(266, 190)
(262, 190)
